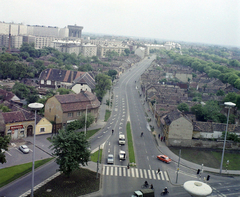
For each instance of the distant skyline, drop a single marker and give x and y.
(199, 21)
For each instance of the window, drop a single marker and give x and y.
(70, 114)
(79, 113)
(42, 129)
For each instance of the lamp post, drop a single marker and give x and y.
(34, 106)
(85, 132)
(228, 105)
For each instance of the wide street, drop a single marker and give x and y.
(117, 179)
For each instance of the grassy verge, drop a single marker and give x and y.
(14, 172)
(94, 156)
(79, 183)
(90, 133)
(209, 158)
(107, 115)
(130, 144)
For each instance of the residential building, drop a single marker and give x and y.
(63, 109)
(89, 50)
(102, 49)
(140, 52)
(57, 78)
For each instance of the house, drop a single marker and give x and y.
(20, 124)
(178, 129)
(63, 109)
(8, 96)
(83, 83)
(57, 78)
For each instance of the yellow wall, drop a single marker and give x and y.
(43, 123)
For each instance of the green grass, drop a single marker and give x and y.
(107, 115)
(14, 172)
(90, 133)
(130, 144)
(94, 156)
(209, 158)
(79, 183)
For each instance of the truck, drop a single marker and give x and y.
(121, 139)
(144, 193)
(122, 155)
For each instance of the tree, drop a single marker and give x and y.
(3, 147)
(103, 83)
(220, 93)
(183, 107)
(127, 52)
(71, 149)
(64, 91)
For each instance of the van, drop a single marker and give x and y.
(121, 139)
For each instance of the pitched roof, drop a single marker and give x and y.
(173, 115)
(60, 75)
(76, 102)
(7, 95)
(86, 79)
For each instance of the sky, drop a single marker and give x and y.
(201, 21)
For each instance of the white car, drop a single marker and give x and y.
(110, 159)
(24, 149)
(122, 155)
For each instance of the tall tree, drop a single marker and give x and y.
(71, 149)
(103, 83)
(3, 147)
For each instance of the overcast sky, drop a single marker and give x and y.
(202, 21)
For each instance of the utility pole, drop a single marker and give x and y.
(178, 165)
(98, 160)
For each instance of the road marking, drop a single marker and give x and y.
(107, 171)
(111, 171)
(158, 177)
(141, 174)
(103, 171)
(162, 175)
(145, 173)
(149, 174)
(124, 171)
(132, 169)
(136, 172)
(120, 171)
(116, 169)
(153, 174)
(100, 136)
(166, 175)
(8, 153)
(128, 172)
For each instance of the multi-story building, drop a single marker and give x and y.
(102, 49)
(89, 50)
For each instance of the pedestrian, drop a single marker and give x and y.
(141, 134)
(151, 187)
(128, 166)
(112, 131)
(158, 171)
(164, 138)
(161, 138)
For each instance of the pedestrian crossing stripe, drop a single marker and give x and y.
(134, 172)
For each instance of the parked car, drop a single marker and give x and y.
(110, 159)
(24, 149)
(164, 158)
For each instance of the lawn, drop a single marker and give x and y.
(80, 182)
(14, 172)
(130, 144)
(210, 158)
(107, 115)
(94, 156)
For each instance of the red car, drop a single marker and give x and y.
(164, 158)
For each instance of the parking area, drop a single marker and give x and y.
(14, 156)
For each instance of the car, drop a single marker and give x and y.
(122, 155)
(164, 158)
(24, 149)
(110, 159)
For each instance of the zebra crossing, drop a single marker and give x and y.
(134, 173)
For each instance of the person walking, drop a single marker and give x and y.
(158, 171)
(161, 138)
(142, 134)
(112, 131)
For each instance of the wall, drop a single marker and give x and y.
(78, 87)
(44, 123)
(202, 144)
(180, 129)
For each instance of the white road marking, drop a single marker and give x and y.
(132, 169)
(149, 174)
(116, 169)
(153, 174)
(107, 171)
(120, 171)
(136, 172)
(124, 171)
(158, 177)
(128, 172)
(162, 175)
(145, 173)
(166, 175)
(141, 174)
(111, 171)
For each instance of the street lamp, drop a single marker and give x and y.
(228, 105)
(86, 118)
(34, 106)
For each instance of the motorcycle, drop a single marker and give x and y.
(164, 193)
